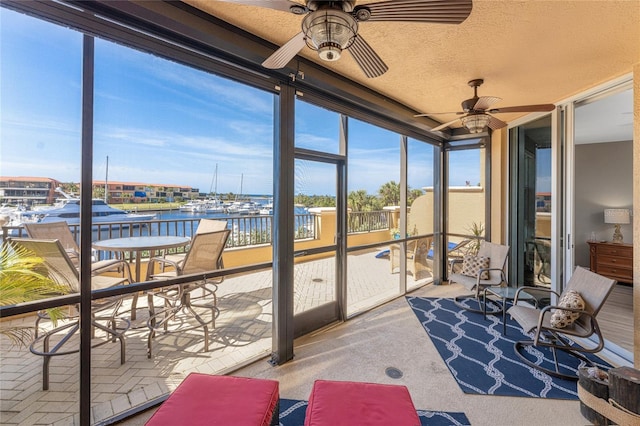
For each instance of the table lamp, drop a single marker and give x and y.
(617, 217)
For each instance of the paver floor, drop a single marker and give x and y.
(242, 335)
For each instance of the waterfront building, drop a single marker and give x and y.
(28, 190)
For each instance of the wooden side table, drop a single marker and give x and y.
(613, 260)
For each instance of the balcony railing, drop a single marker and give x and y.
(246, 231)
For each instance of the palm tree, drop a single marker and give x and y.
(357, 200)
(390, 193)
(23, 278)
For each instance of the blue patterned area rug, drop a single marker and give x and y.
(482, 359)
(292, 413)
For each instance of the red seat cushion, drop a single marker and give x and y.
(347, 403)
(203, 399)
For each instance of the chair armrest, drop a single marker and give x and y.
(548, 308)
(532, 289)
(481, 270)
(164, 261)
(120, 263)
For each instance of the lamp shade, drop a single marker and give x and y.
(476, 123)
(618, 216)
(329, 32)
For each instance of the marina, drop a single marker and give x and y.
(68, 210)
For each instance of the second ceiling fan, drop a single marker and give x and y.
(331, 27)
(476, 111)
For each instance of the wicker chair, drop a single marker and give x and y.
(594, 290)
(61, 269)
(418, 223)
(205, 255)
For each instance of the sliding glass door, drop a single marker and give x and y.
(602, 179)
(531, 208)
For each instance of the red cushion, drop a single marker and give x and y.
(348, 403)
(203, 399)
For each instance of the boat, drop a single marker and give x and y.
(250, 207)
(67, 209)
(267, 209)
(194, 206)
(214, 205)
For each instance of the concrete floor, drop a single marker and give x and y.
(391, 336)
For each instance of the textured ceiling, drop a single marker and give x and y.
(528, 52)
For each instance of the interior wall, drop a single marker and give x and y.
(604, 179)
(636, 218)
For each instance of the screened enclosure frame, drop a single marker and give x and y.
(224, 52)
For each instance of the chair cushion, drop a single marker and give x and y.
(561, 318)
(471, 265)
(203, 399)
(338, 403)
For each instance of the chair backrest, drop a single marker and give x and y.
(205, 252)
(59, 267)
(497, 254)
(420, 217)
(53, 231)
(593, 288)
(211, 225)
(456, 250)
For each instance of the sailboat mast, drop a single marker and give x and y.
(106, 182)
(214, 179)
(216, 187)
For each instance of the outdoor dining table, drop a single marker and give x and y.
(139, 245)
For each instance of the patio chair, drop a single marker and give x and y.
(490, 274)
(205, 255)
(553, 333)
(204, 226)
(456, 253)
(60, 231)
(542, 266)
(416, 256)
(61, 269)
(419, 222)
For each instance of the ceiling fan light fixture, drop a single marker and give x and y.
(475, 123)
(329, 32)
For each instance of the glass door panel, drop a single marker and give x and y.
(315, 245)
(466, 201)
(603, 179)
(531, 204)
(420, 202)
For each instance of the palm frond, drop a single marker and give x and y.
(24, 278)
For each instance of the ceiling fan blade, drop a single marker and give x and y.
(525, 108)
(427, 114)
(435, 11)
(485, 102)
(367, 58)
(444, 125)
(281, 57)
(495, 123)
(283, 5)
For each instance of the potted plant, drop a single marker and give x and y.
(477, 230)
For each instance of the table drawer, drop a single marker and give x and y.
(622, 251)
(621, 262)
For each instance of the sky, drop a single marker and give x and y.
(161, 122)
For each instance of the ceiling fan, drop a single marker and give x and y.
(330, 27)
(478, 114)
